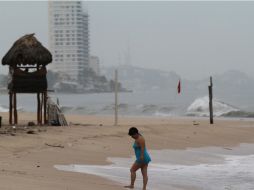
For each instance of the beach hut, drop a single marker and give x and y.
(27, 60)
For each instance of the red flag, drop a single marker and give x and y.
(179, 87)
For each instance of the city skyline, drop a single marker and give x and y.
(184, 37)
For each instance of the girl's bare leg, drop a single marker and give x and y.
(145, 176)
(133, 170)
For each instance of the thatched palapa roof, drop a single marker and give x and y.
(27, 51)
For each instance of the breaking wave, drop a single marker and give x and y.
(200, 107)
(4, 109)
(239, 114)
(125, 109)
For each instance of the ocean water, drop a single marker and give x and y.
(141, 103)
(196, 169)
(150, 103)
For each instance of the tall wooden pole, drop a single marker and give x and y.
(38, 108)
(210, 90)
(15, 108)
(45, 107)
(116, 97)
(41, 107)
(10, 108)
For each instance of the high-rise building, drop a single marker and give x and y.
(69, 38)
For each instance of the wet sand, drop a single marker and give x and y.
(193, 168)
(27, 160)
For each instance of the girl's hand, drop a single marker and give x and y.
(142, 158)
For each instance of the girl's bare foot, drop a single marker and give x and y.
(129, 186)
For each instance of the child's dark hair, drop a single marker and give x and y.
(133, 131)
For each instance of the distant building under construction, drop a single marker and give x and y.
(69, 38)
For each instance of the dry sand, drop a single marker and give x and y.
(27, 160)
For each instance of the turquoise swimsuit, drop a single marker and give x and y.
(137, 150)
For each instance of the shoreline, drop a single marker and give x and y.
(169, 168)
(184, 117)
(92, 139)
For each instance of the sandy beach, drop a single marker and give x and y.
(27, 160)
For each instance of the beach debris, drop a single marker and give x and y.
(55, 115)
(55, 145)
(31, 132)
(3, 132)
(54, 123)
(195, 123)
(42, 130)
(30, 123)
(14, 129)
(227, 148)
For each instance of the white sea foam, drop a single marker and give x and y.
(206, 169)
(200, 107)
(4, 109)
(160, 114)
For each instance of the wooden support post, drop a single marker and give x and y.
(45, 107)
(41, 107)
(38, 108)
(10, 108)
(210, 90)
(15, 108)
(116, 97)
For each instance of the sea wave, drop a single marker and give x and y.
(123, 108)
(6, 109)
(244, 114)
(200, 107)
(161, 114)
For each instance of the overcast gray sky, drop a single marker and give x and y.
(194, 39)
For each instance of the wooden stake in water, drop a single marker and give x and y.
(116, 97)
(210, 90)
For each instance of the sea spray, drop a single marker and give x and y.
(200, 107)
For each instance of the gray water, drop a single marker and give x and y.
(150, 103)
(141, 103)
(198, 168)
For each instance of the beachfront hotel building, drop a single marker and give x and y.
(69, 38)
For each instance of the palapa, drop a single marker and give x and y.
(27, 51)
